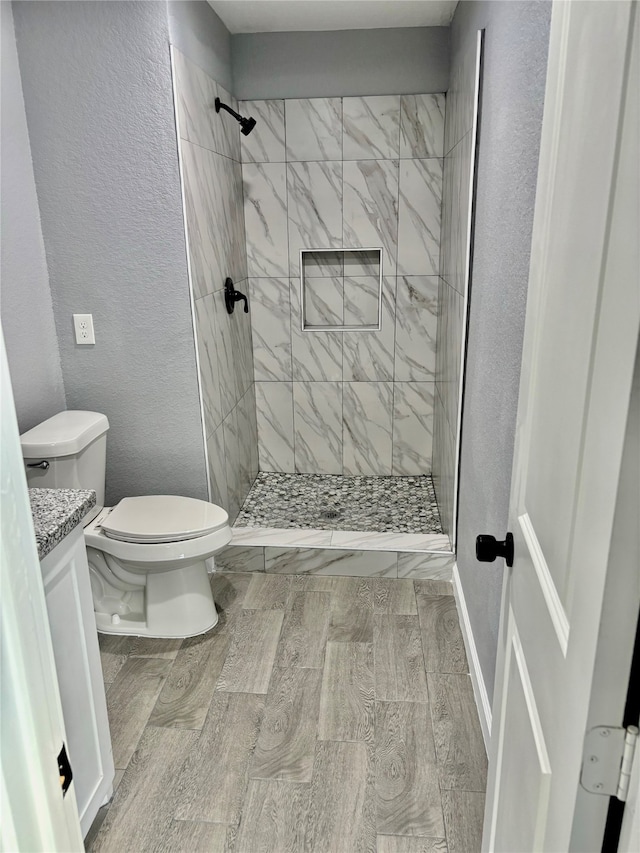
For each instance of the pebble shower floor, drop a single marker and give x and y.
(334, 502)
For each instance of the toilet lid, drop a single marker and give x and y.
(162, 518)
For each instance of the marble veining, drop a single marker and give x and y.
(331, 561)
(368, 356)
(196, 94)
(317, 422)
(317, 356)
(265, 143)
(324, 301)
(314, 193)
(416, 328)
(227, 125)
(56, 512)
(217, 244)
(421, 547)
(210, 386)
(356, 505)
(371, 207)
(215, 233)
(360, 300)
(366, 427)
(419, 217)
(412, 427)
(371, 127)
(313, 129)
(265, 212)
(271, 328)
(216, 462)
(274, 409)
(422, 126)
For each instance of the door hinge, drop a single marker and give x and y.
(607, 759)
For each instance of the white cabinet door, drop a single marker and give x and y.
(35, 815)
(75, 646)
(581, 335)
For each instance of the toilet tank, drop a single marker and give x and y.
(67, 451)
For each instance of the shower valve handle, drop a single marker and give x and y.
(231, 296)
(488, 548)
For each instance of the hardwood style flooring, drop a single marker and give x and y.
(321, 715)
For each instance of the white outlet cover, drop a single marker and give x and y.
(83, 328)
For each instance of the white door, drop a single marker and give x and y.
(35, 815)
(581, 336)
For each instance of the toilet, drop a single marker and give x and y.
(146, 555)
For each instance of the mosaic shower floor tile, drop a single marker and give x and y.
(333, 502)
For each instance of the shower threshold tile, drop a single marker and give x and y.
(353, 540)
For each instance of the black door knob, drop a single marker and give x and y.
(488, 548)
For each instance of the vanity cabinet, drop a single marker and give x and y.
(67, 586)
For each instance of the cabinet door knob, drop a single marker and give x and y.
(488, 548)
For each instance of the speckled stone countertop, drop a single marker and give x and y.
(56, 512)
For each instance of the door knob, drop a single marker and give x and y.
(488, 548)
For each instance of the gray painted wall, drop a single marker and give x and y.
(25, 306)
(340, 63)
(97, 89)
(202, 37)
(516, 45)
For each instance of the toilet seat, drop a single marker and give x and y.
(159, 519)
(156, 556)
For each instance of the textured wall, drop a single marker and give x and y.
(26, 309)
(515, 60)
(201, 36)
(346, 62)
(212, 185)
(97, 85)
(354, 172)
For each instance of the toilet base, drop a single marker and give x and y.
(136, 629)
(173, 604)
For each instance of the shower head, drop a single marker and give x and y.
(246, 124)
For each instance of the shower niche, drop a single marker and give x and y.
(341, 290)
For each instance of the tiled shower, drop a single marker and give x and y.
(334, 173)
(328, 174)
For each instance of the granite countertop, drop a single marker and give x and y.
(56, 512)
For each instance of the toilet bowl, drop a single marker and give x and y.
(147, 554)
(147, 563)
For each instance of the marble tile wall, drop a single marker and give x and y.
(451, 326)
(214, 221)
(345, 173)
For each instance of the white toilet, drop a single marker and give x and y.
(147, 554)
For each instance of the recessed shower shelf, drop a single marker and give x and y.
(341, 290)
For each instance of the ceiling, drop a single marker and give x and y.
(272, 16)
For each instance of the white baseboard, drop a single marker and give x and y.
(479, 688)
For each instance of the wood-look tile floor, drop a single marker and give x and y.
(321, 714)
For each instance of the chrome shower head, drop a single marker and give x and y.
(246, 124)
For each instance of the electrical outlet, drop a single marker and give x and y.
(83, 327)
